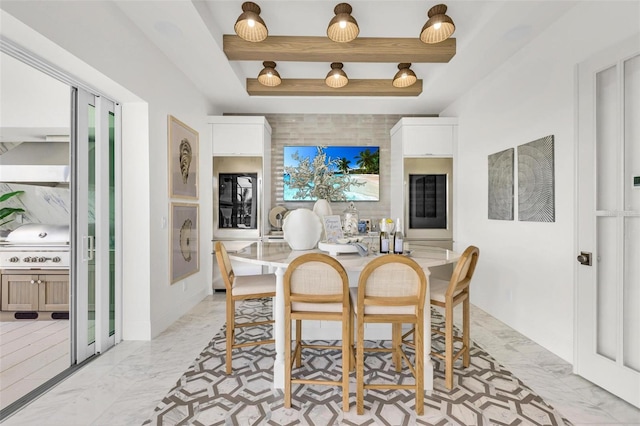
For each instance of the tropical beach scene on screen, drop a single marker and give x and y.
(334, 173)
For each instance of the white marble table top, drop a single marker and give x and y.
(279, 255)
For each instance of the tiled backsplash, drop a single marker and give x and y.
(327, 130)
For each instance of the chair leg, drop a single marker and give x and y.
(466, 331)
(352, 359)
(419, 367)
(396, 336)
(231, 306)
(448, 345)
(346, 361)
(299, 343)
(360, 369)
(287, 360)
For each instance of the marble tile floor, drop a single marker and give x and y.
(124, 385)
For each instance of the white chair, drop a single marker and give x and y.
(242, 287)
(316, 287)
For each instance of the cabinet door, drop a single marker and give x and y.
(19, 292)
(237, 139)
(428, 140)
(54, 293)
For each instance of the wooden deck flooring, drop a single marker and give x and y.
(31, 352)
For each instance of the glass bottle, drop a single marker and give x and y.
(398, 238)
(384, 242)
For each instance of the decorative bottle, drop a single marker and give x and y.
(398, 238)
(384, 242)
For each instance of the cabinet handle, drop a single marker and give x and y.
(39, 282)
(33, 281)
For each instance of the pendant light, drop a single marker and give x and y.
(342, 27)
(250, 26)
(336, 77)
(269, 76)
(405, 77)
(439, 26)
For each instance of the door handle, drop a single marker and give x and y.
(90, 247)
(584, 258)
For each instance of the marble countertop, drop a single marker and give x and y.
(279, 255)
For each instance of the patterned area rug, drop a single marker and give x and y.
(484, 393)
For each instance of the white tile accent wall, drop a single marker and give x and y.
(332, 129)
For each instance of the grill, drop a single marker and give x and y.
(36, 246)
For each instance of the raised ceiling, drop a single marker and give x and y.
(487, 33)
(190, 34)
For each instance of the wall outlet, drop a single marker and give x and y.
(163, 222)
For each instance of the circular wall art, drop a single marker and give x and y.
(185, 239)
(536, 181)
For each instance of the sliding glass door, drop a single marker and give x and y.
(93, 225)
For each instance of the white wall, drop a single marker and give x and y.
(525, 275)
(109, 54)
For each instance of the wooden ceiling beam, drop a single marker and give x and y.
(321, 49)
(317, 87)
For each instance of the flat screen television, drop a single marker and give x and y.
(337, 173)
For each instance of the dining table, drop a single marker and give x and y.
(277, 256)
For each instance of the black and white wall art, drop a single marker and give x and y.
(185, 251)
(536, 177)
(183, 159)
(500, 205)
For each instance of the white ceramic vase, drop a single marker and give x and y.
(322, 208)
(302, 229)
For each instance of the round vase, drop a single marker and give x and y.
(322, 208)
(302, 229)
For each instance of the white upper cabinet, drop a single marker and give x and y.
(240, 135)
(425, 136)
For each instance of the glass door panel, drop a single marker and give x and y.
(91, 225)
(94, 225)
(112, 224)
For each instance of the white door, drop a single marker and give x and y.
(93, 224)
(608, 283)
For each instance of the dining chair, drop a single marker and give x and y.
(447, 295)
(316, 287)
(242, 287)
(391, 289)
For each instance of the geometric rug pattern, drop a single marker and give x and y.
(484, 393)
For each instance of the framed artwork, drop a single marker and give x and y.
(183, 160)
(500, 202)
(536, 181)
(185, 250)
